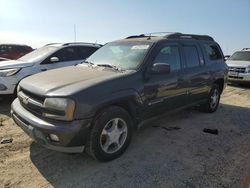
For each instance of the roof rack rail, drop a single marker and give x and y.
(136, 36)
(246, 49)
(69, 43)
(189, 36)
(51, 44)
(153, 34)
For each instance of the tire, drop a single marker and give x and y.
(110, 135)
(213, 100)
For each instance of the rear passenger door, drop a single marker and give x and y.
(195, 72)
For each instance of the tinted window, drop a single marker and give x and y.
(169, 55)
(192, 57)
(85, 52)
(5, 49)
(67, 54)
(213, 52)
(18, 49)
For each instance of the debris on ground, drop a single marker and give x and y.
(211, 131)
(1, 122)
(6, 140)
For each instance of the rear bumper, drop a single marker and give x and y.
(72, 135)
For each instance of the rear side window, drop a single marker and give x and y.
(85, 52)
(192, 56)
(18, 49)
(213, 52)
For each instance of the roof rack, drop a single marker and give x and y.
(52, 44)
(136, 36)
(154, 34)
(173, 35)
(189, 36)
(69, 43)
(246, 49)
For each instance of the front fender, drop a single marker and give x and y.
(90, 108)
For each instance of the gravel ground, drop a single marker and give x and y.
(159, 155)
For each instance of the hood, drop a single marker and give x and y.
(14, 64)
(68, 80)
(231, 63)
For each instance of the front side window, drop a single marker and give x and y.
(169, 55)
(67, 54)
(192, 56)
(240, 56)
(124, 55)
(213, 52)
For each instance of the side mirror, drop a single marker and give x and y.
(226, 57)
(160, 68)
(54, 59)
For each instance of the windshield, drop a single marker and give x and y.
(124, 55)
(240, 56)
(38, 53)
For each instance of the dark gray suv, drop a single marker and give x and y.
(95, 106)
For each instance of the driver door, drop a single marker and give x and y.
(165, 91)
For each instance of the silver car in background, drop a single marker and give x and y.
(239, 66)
(51, 56)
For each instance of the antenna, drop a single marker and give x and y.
(75, 32)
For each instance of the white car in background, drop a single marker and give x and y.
(48, 57)
(239, 66)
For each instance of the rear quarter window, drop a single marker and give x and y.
(213, 52)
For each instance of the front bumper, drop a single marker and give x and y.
(239, 77)
(72, 135)
(7, 85)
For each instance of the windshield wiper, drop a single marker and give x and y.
(110, 66)
(88, 62)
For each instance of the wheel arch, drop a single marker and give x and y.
(128, 100)
(220, 82)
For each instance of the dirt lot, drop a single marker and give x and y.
(157, 157)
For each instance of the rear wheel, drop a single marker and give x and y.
(213, 100)
(110, 134)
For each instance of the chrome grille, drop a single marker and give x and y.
(31, 102)
(237, 69)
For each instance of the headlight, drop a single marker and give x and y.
(248, 69)
(59, 108)
(8, 72)
(18, 88)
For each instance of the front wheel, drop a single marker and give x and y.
(110, 134)
(213, 100)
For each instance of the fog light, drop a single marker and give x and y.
(2, 87)
(54, 137)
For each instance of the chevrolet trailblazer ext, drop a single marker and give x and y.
(95, 106)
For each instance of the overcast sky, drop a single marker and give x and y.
(37, 22)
